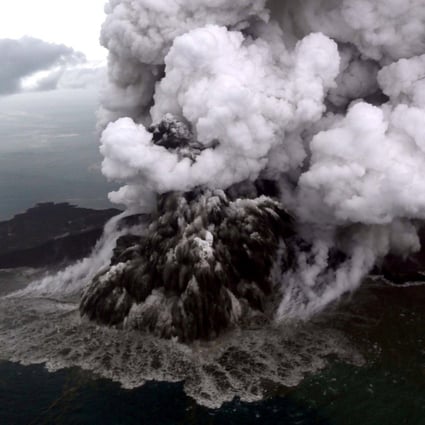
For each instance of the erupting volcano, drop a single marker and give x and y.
(270, 156)
(202, 264)
(275, 151)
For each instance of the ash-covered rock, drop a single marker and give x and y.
(171, 133)
(177, 137)
(202, 266)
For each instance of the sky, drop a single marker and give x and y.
(50, 44)
(75, 23)
(52, 68)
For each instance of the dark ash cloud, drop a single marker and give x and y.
(26, 56)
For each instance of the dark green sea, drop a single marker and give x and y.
(339, 395)
(385, 324)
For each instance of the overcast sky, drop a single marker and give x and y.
(75, 23)
(50, 44)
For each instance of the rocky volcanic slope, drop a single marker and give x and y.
(202, 265)
(204, 262)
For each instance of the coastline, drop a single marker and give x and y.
(51, 235)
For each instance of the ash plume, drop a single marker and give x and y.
(274, 114)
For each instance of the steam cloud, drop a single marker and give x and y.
(326, 98)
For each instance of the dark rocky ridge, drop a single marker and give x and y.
(49, 234)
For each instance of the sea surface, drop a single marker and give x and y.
(49, 151)
(383, 325)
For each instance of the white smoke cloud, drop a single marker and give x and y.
(315, 283)
(146, 29)
(383, 30)
(139, 34)
(369, 167)
(236, 92)
(326, 97)
(404, 81)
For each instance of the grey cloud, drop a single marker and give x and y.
(50, 82)
(72, 78)
(82, 78)
(26, 56)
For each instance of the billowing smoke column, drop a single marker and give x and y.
(224, 119)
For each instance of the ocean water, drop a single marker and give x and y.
(339, 395)
(49, 151)
(56, 369)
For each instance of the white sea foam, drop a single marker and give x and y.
(245, 364)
